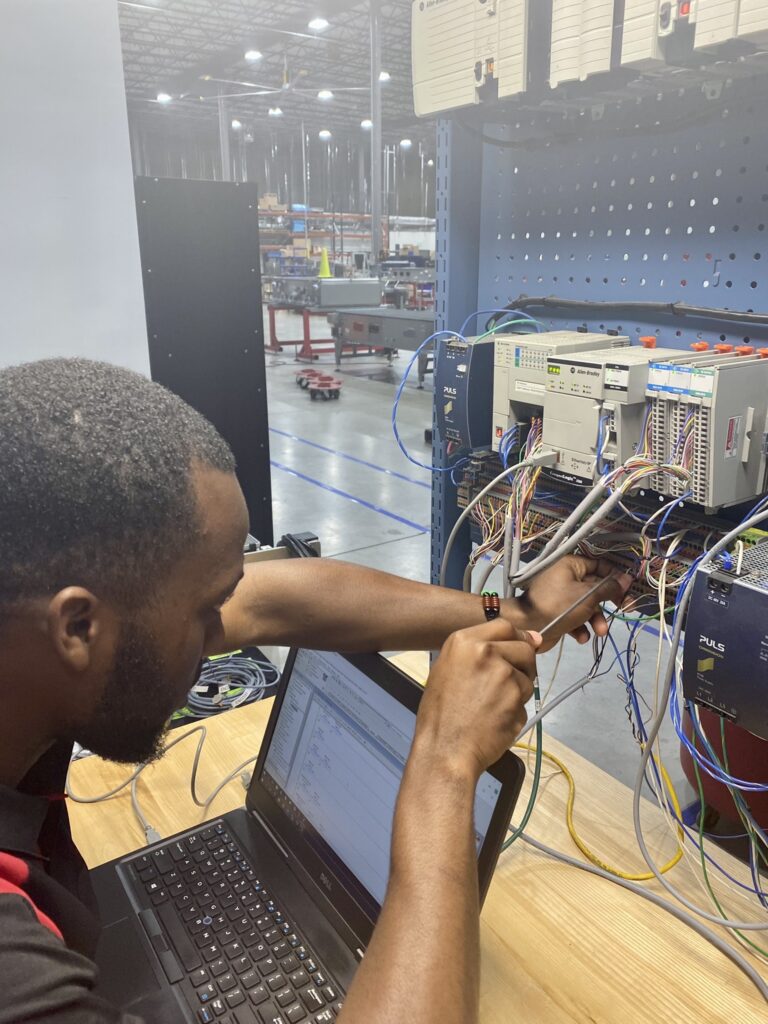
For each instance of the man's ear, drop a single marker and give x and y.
(80, 627)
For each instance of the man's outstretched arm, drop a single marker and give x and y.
(422, 963)
(331, 605)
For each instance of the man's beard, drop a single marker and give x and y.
(130, 722)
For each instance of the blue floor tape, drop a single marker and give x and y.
(351, 458)
(419, 527)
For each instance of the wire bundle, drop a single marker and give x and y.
(229, 682)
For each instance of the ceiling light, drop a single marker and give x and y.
(275, 112)
(318, 24)
(384, 76)
(239, 124)
(253, 55)
(367, 123)
(325, 94)
(405, 143)
(324, 134)
(164, 97)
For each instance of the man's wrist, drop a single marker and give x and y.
(432, 764)
(518, 612)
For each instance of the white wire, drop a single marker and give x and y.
(465, 512)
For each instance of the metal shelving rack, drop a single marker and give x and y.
(646, 188)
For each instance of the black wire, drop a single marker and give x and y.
(677, 309)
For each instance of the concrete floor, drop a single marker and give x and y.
(337, 471)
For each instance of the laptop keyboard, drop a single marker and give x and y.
(246, 961)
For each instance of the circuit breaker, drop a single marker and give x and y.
(520, 373)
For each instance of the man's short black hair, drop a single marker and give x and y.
(95, 479)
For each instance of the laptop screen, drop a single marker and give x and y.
(334, 765)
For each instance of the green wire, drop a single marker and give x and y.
(703, 859)
(517, 832)
(641, 618)
(507, 323)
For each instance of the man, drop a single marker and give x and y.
(121, 565)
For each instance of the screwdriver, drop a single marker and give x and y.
(558, 619)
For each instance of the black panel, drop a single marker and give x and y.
(202, 288)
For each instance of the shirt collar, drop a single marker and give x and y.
(23, 810)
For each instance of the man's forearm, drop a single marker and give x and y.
(423, 961)
(333, 605)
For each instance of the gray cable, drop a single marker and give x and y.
(544, 561)
(553, 551)
(552, 704)
(134, 776)
(537, 460)
(507, 571)
(586, 503)
(655, 726)
(225, 782)
(706, 933)
(486, 576)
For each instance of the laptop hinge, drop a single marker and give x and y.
(270, 832)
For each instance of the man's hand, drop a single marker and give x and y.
(557, 588)
(474, 705)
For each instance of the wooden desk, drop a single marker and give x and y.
(558, 946)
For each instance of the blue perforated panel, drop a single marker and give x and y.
(623, 213)
(637, 195)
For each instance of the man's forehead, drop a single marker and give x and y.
(216, 553)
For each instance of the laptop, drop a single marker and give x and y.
(261, 916)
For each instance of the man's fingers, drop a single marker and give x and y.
(519, 655)
(498, 629)
(598, 623)
(580, 635)
(613, 588)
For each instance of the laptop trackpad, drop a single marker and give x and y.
(119, 944)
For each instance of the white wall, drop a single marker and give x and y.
(70, 276)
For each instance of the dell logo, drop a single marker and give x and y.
(712, 644)
(325, 880)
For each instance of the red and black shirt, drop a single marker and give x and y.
(48, 925)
